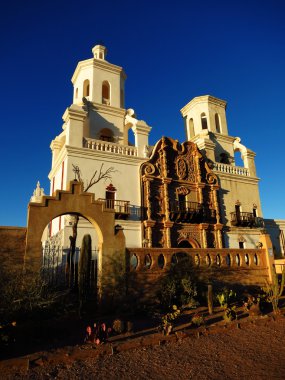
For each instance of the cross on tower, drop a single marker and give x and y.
(76, 171)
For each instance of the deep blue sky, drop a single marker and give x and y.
(171, 51)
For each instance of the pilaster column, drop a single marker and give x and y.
(167, 229)
(216, 203)
(74, 117)
(141, 131)
(148, 196)
(203, 228)
(218, 235)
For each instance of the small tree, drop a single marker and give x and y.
(98, 176)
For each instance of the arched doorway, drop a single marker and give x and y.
(62, 242)
(185, 244)
(111, 241)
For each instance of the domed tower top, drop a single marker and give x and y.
(99, 52)
(99, 81)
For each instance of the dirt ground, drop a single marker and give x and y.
(252, 348)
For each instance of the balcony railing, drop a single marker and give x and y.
(230, 169)
(190, 212)
(122, 208)
(246, 219)
(105, 146)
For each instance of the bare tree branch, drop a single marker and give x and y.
(102, 175)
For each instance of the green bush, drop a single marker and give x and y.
(225, 296)
(178, 287)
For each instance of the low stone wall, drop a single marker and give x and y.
(146, 266)
(12, 247)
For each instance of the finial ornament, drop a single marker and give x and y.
(130, 120)
(38, 193)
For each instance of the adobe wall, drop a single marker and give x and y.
(247, 267)
(12, 247)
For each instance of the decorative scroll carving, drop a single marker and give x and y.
(148, 169)
(189, 234)
(181, 168)
(182, 190)
(211, 178)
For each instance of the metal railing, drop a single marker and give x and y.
(246, 219)
(187, 211)
(121, 207)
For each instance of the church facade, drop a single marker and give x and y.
(170, 195)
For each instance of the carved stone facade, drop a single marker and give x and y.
(179, 198)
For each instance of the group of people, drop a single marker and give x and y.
(97, 334)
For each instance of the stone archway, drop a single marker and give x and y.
(76, 201)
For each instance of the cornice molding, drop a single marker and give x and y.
(202, 99)
(97, 63)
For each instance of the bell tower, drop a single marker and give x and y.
(206, 125)
(99, 86)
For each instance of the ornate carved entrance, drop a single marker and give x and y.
(179, 197)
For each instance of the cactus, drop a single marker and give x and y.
(274, 291)
(84, 267)
(210, 299)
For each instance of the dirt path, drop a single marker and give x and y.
(254, 351)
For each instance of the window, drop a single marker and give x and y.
(217, 122)
(254, 211)
(237, 208)
(86, 87)
(191, 128)
(161, 261)
(106, 135)
(181, 202)
(204, 121)
(147, 261)
(110, 195)
(106, 93)
(241, 244)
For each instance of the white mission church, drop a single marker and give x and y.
(176, 209)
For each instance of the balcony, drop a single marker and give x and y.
(246, 219)
(122, 208)
(110, 147)
(190, 212)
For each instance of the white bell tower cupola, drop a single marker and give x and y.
(99, 52)
(205, 114)
(99, 81)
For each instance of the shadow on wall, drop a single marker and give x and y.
(277, 237)
(95, 120)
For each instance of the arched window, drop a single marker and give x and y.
(106, 93)
(106, 135)
(217, 122)
(191, 128)
(204, 121)
(86, 87)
